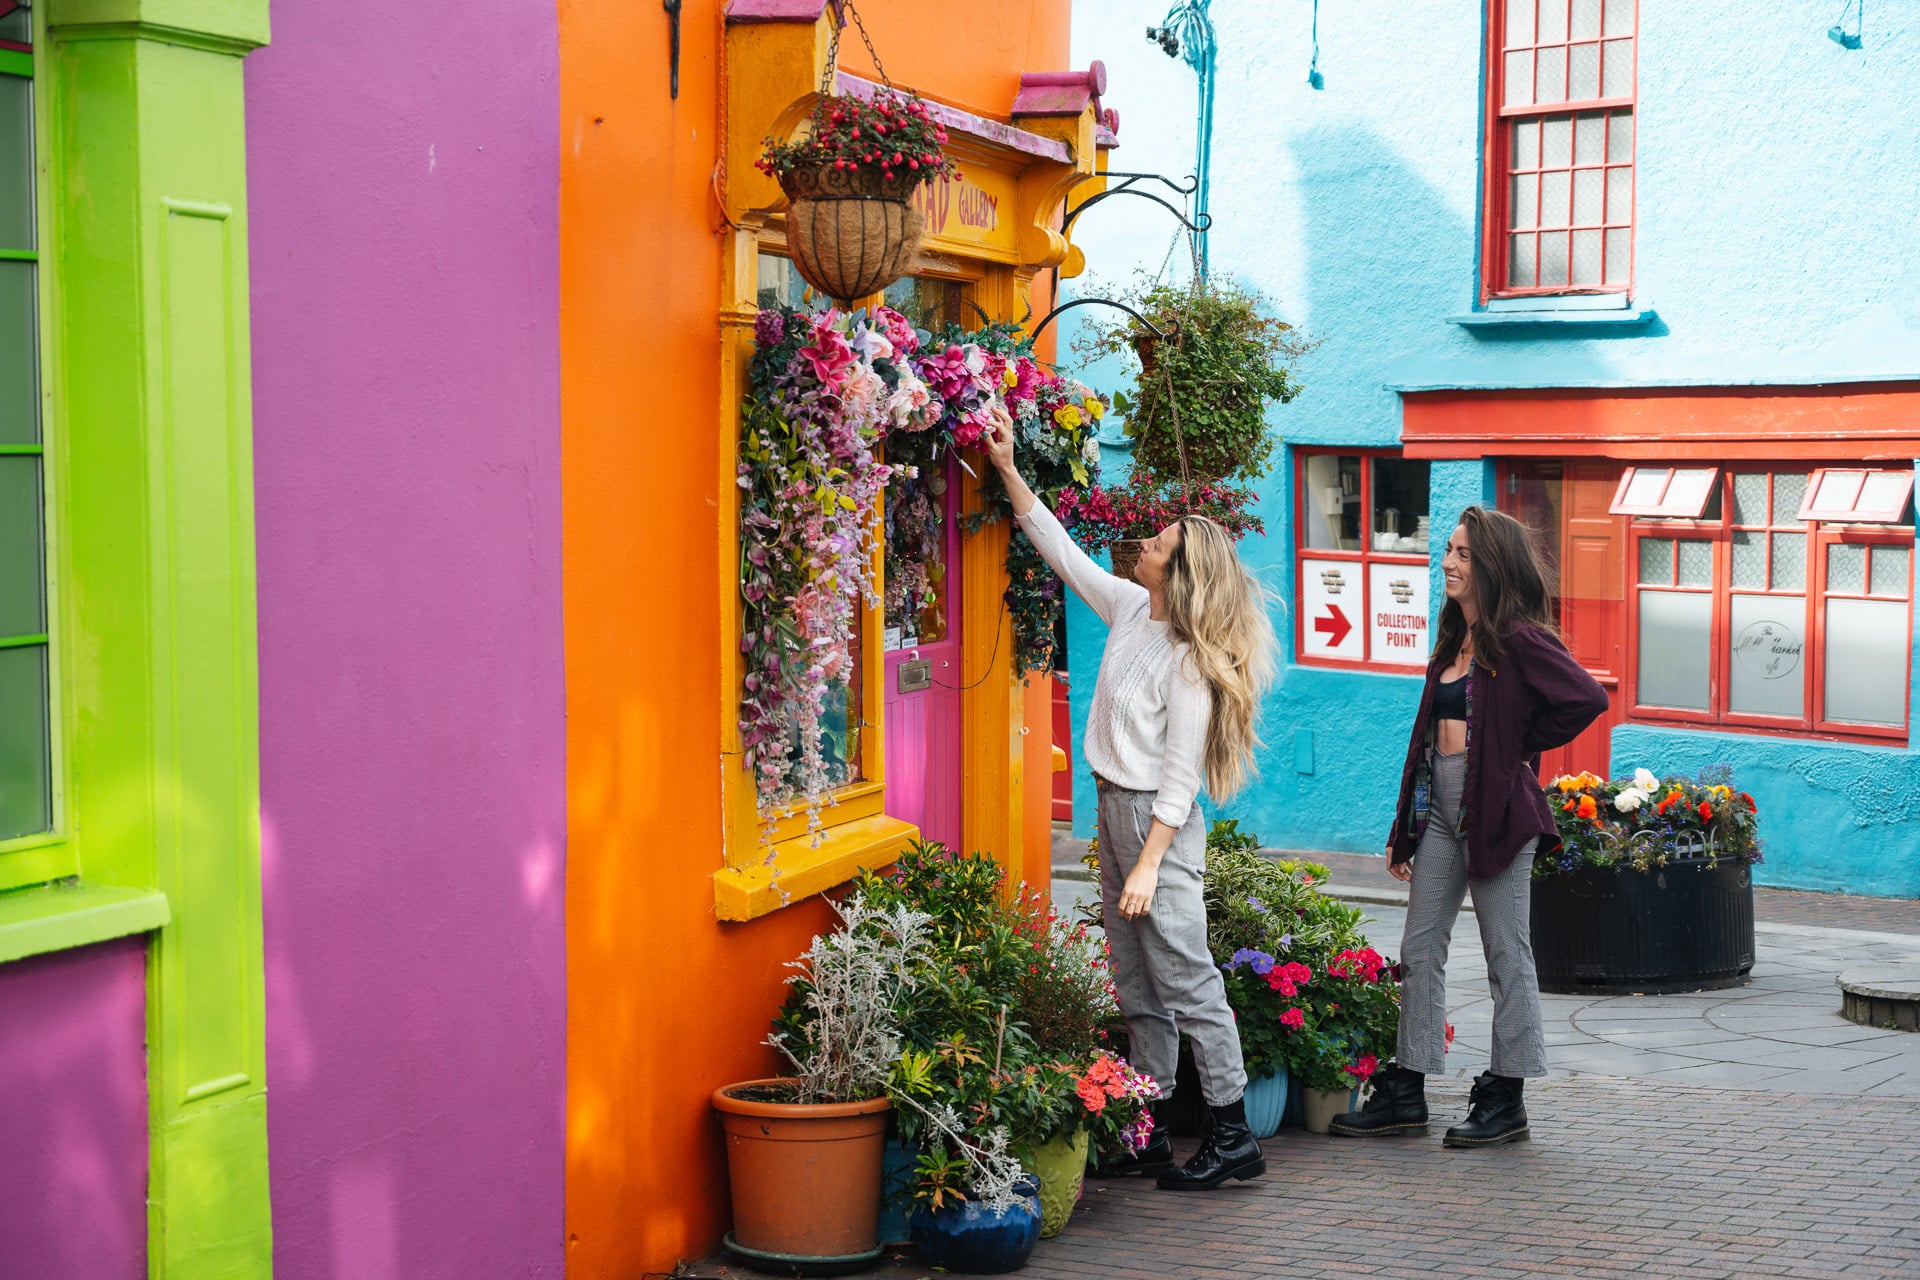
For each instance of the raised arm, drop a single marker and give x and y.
(1103, 592)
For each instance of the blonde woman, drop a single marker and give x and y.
(1188, 657)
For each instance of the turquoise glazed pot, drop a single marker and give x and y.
(897, 1161)
(968, 1238)
(1267, 1103)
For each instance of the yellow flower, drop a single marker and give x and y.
(1095, 409)
(1067, 416)
(1011, 378)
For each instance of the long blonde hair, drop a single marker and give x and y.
(1219, 610)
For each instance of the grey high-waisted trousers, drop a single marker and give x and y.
(1164, 973)
(1501, 906)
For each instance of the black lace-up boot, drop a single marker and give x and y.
(1494, 1114)
(1396, 1108)
(1227, 1150)
(1154, 1158)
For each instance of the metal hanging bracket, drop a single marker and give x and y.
(1158, 333)
(1131, 186)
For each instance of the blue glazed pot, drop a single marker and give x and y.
(968, 1238)
(1267, 1103)
(897, 1163)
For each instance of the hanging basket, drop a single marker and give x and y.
(1125, 554)
(851, 232)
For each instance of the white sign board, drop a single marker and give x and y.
(1397, 613)
(1332, 609)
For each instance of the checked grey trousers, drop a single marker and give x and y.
(1162, 970)
(1502, 907)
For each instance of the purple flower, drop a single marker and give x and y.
(1260, 961)
(769, 327)
(1256, 904)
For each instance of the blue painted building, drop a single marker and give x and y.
(1648, 276)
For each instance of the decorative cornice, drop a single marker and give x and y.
(955, 120)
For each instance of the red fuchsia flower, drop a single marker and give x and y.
(1364, 1068)
(1293, 1019)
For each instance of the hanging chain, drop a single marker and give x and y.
(832, 67)
(867, 40)
(843, 9)
(1179, 438)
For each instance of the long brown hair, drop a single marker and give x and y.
(1510, 588)
(1218, 609)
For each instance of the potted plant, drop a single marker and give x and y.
(803, 1151)
(1116, 519)
(847, 177)
(1651, 888)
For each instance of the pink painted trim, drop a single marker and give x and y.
(958, 121)
(1061, 93)
(749, 12)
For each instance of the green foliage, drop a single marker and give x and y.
(1207, 387)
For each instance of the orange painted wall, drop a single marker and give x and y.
(665, 1003)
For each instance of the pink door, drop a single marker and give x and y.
(922, 683)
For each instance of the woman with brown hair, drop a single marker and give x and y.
(1500, 689)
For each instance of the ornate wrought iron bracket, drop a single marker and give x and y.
(1131, 187)
(673, 47)
(1158, 333)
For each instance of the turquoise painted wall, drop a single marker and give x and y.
(1777, 240)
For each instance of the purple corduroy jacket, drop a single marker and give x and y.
(1538, 698)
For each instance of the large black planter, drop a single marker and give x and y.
(1686, 926)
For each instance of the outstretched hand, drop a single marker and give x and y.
(997, 444)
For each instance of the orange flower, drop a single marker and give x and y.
(1567, 807)
(1706, 812)
(1588, 808)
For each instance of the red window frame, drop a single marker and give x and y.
(1364, 559)
(1501, 173)
(1718, 531)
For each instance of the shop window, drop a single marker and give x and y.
(1757, 615)
(1678, 493)
(1560, 146)
(26, 751)
(1363, 561)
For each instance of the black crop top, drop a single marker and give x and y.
(1450, 700)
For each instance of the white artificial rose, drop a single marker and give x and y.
(1630, 799)
(1090, 450)
(1644, 779)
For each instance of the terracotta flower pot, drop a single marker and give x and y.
(805, 1177)
(851, 232)
(1125, 554)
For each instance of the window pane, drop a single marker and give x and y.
(1586, 19)
(1883, 489)
(1589, 137)
(16, 162)
(1750, 498)
(1675, 629)
(1558, 135)
(1553, 257)
(1583, 76)
(1332, 502)
(26, 795)
(1696, 563)
(1586, 257)
(1890, 565)
(1619, 19)
(1618, 66)
(1400, 505)
(1789, 487)
(1552, 80)
(1553, 21)
(1620, 137)
(1520, 22)
(1749, 559)
(1620, 194)
(19, 359)
(1764, 676)
(22, 597)
(1587, 210)
(1519, 79)
(1646, 487)
(1553, 198)
(1526, 144)
(1525, 209)
(780, 282)
(1656, 561)
(1866, 661)
(1520, 262)
(1789, 562)
(1847, 567)
(1619, 256)
(17, 26)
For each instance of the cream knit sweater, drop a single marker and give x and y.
(1147, 728)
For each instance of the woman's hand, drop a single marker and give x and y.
(998, 443)
(1399, 870)
(1136, 896)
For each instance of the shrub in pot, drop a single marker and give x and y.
(804, 1151)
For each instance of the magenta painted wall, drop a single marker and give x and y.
(73, 1123)
(403, 178)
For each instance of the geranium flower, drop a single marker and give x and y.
(1092, 1096)
(1293, 1019)
(1364, 1068)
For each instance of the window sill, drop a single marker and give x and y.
(1555, 318)
(61, 916)
(747, 893)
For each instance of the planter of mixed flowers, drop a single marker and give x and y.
(1651, 889)
(850, 227)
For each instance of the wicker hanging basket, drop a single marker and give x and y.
(1125, 555)
(851, 232)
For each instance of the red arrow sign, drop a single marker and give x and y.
(1335, 626)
